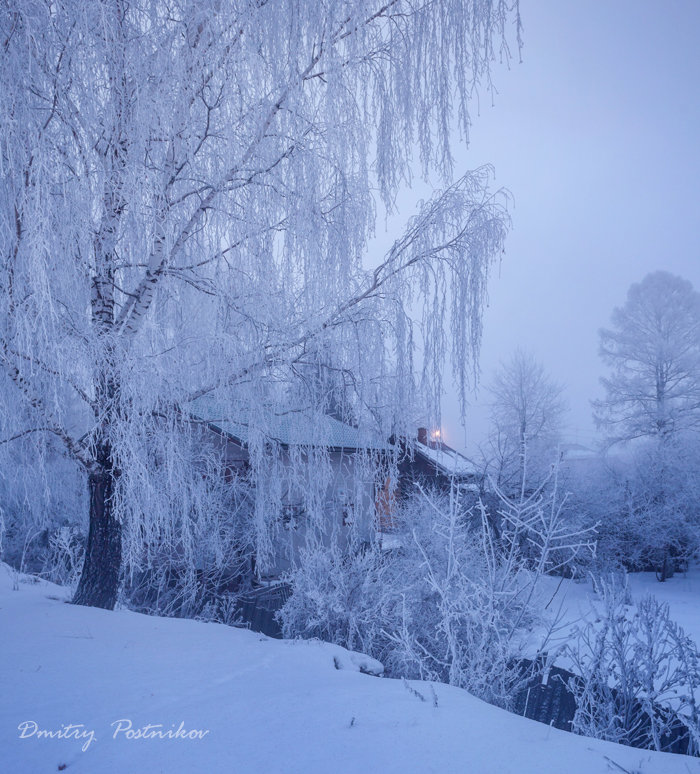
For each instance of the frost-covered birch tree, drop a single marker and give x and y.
(186, 199)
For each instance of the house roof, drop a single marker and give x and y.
(292, 428)
(446, 459)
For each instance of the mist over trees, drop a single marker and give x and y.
(653, 351)
(651, 409)
(526, 408)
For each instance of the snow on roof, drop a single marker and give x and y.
(447, 460)
(292, 428)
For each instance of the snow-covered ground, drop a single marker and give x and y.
(259, 705)
(571, 601)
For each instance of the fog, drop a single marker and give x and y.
(595, 135)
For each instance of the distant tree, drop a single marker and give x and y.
(653, 393)
(653, 349)
(527, 406)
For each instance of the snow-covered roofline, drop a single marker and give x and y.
(294, 428)
(446, 460)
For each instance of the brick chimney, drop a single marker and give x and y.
(423, 435)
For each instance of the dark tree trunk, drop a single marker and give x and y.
(666, 569)
(99, 580)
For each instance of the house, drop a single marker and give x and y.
(426, 462)
(319, 478)
(324, 476)
(435, 464)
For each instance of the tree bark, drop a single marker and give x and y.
(99, 580)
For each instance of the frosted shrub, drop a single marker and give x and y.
(199, 543)
(43, 511)
(449, 605)
(639, 672)
(646, 504)
(340, 597)
(173, 581)
(64, 558)
(457, 616)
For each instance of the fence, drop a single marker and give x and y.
(257, 608)
(547, 700)
(550, 701)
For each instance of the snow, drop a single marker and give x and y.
(265, 705)
(447, 460)
(572, 604)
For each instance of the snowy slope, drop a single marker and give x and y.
(267, 706)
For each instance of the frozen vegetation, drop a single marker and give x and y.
(209, 390)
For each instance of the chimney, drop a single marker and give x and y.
(423, 435)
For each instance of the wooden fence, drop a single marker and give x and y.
(549, 700)
(257, 608)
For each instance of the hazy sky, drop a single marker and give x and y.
(596, 135)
